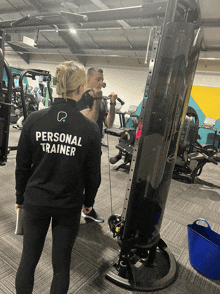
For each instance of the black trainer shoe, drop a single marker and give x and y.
(94, 216)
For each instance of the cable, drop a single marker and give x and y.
(110, 184)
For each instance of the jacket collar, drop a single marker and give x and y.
(62, 100)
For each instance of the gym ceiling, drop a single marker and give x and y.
(110, 32)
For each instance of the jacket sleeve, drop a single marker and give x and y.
(23, 163)
(93, 170)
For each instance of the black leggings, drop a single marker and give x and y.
(64, 230)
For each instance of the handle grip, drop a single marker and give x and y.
(202, 219)
(122, 102)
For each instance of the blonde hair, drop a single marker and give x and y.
(69, 76)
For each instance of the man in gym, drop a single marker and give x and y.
(94, 106)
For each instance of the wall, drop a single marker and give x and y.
(205, 99)
(129, 83)
(207, 79)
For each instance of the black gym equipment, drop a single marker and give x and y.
(8, 93)
(5, 108)
(125, 147)
(31, 102)
(25, 102)
(143, 254)
(122, 130)
(191, 155)
(32, 74)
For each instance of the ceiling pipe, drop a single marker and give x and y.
(80, 29)
(27, 8)
(209, 58)
(102, 55)
(36, 5)
(148, 45)
(145, 11)
(101, 5)
(136, 12)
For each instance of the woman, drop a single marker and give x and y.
(57, 172)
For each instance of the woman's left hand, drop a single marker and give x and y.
(86, 209)
(18, 206)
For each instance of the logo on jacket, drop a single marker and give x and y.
(61, 116)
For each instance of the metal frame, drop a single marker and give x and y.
(153, 13)
(146, 11)
(31, 74)
(2, 52)
(141, 11)
(5, 110)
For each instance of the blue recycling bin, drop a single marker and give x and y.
(204, 249)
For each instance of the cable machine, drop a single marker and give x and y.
(6, 92)
(173, 63)
(30, 73)
(5, 103)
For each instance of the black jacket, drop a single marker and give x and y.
(58, 158)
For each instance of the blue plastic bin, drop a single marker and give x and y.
(204, 249)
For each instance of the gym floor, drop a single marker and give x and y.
(95, 249)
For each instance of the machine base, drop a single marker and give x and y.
(154, 284)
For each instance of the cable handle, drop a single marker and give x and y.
(202, 219)
(119, 99)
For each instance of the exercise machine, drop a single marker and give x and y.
(27, 101)
(32, 74)
(125, 147)
(191, 155)
(8, 92)
(143, 254)
(5, 108)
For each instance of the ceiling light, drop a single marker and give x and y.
(72, 31)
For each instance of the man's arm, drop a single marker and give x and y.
(93, 113)
(111, 114)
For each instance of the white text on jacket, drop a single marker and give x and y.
(46, 137)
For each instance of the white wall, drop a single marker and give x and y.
(207, 79)
(128, 83)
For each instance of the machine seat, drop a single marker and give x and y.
(124, 148)
(115, 131)
(196, 156)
